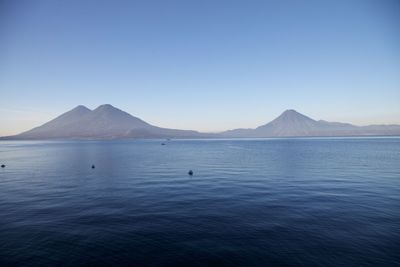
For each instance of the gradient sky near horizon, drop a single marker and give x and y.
(201, 65)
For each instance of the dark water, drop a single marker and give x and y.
(277, 202)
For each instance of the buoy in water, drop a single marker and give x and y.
(93, 166)
(3, 166)
(190, 172)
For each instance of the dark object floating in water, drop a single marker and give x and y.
(163, 144)
(93, 166)
(190, 172)
(3, 166)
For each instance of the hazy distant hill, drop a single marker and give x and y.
(108, 122)
(292, 123)
(105, 121)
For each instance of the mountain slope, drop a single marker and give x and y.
(289, 123)
(60, 125)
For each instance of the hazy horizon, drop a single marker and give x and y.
(47, 118)
(202, 66)
(90, 122)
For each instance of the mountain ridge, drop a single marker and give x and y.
(109, 122)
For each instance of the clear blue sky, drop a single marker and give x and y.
(203, 65)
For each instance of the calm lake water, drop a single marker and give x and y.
(270, 202)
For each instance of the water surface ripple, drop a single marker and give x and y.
(262, 202)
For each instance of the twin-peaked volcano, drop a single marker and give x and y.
(106, 122)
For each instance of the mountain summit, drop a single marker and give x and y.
(291, 116)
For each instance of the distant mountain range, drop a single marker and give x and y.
(293, 124)
(108, 122)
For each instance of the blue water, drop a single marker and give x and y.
(271, 202)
